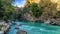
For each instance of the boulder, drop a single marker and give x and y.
(21, 32)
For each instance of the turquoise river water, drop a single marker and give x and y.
(34, 28)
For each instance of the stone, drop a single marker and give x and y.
(21, 32)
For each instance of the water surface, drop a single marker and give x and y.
(34, 28)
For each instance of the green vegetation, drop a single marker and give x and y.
(58, 14)
(18, 15)
(48, 7)
(35, 10)
(6, 9)
(44, 7)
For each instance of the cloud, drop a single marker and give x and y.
(19, 3)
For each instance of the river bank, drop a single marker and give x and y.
(48, 21)
(51, 21)
(4, 27)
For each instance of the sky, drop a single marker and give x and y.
(19, 3)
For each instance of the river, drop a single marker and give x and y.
(34, 28)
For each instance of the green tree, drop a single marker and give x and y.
(35, 10)
(6, 8)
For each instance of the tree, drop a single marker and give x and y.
(48, 7)
(27, 4)
(6, 8)
(35, 10)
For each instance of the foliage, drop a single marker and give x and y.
(58, 14)
(6, 8)
(27, 4)
(35, 10)
(44, 6)
(18, 15)
(48, 7)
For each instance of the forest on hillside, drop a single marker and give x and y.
(44, 11)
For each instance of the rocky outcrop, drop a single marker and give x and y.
(5, 27)
(55, 21)
(45, 18)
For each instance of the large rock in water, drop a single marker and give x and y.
(21, 32)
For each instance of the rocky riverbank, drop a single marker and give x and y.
(5, 27)
(45, 19)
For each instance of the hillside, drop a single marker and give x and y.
(43, 10)
(53, 1)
